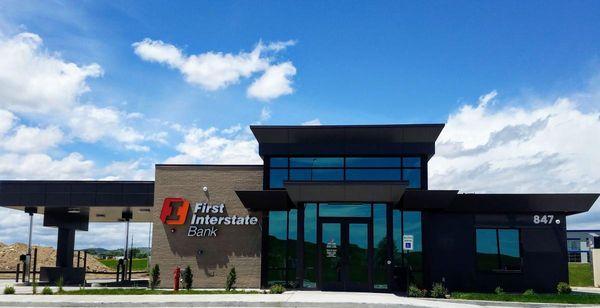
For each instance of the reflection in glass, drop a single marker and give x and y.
(279, 162)
(358, 257)
(373, 175)
(276, 177)
(393, 162)
(380, 246)
(412, 226)
(413, 176)
(414, 162)
(316, 174)
(487, 249)
(311, 162)
(344, 210)
(331, 270)
(310, 245)
(510, 258)
(291, 247)
(277, 247)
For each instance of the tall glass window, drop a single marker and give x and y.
(281, 254)
(498, 249)
(408, 223)
(380, 246)
(310, 246)
(345, 169)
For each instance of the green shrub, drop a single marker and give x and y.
(414, 291)
(188, 278)
(9, 289)
(277, 289)
(231, 278)
(438, 291)
(154, 277)
(60, 282)
(499, 290)
(563, 288)
(47, 291)
(529, 292)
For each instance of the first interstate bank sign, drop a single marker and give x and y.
(205, 217)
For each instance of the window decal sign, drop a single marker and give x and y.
(408, 242)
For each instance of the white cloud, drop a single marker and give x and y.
(216, 70)
(41, 166)
(91, 123)
(313, 122)
(32, 139)
(35, 81)
(275, 82)
(41, 86)
(550, 147)
(211, 146)
(6, 121)
(265, 113)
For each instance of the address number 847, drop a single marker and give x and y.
(545, 219)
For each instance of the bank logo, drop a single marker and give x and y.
(174, 211)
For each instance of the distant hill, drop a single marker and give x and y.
(139, 252)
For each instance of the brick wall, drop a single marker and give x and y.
(238, 246)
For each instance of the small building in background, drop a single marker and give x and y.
(580, 244)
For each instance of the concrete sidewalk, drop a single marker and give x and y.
(288, 299)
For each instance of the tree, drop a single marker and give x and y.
(154, 277)
(188, 278)
(231, 278)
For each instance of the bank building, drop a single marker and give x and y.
(343, 208)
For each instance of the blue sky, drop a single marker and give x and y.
(174, 81)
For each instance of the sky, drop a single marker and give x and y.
(107, 89)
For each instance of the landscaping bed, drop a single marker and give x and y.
(140, 291)
(573, 298)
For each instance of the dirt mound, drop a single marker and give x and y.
(9, 257)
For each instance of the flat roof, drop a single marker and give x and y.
(385, 133)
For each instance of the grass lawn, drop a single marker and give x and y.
(580, 275)
(140, 291)
(138, 264)
(573, 298)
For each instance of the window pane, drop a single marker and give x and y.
(373, 162)
(275, 277)
(292, 237)
(279, 162)
(510, 258)
(345, 210)
(358, 248)
(412, 226)
(380, 246)
(373, 174)
(413, 176)
(411, 162)
(277, 239)
(487, 249)
(310, 245)
(277, 176)
(397, 227)
(309, 162)
(316, 174)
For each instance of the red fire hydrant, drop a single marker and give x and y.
(176, 276)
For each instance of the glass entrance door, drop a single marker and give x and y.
(345, 253)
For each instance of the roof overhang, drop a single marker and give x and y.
(264, 200)
(328, 191)
(100, 201)
(427, 199)
(402, 139)
(523, 203)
